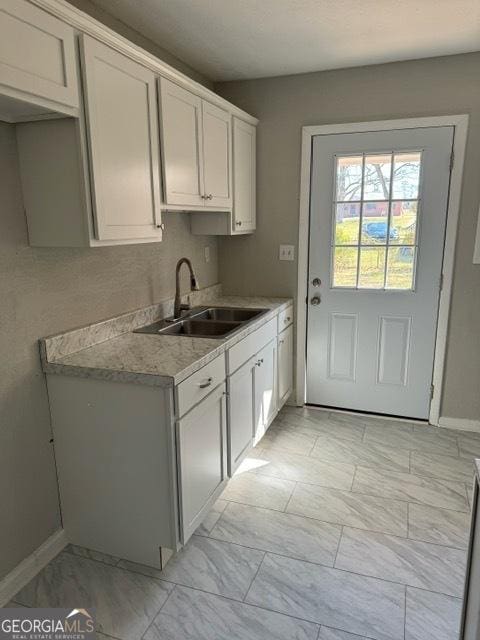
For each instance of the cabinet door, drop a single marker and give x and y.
(201, 453)
(285, 364)
(240, 416)
(265, 389)
(37, 53)
(181, 113)
(244, 176)
(217, 156)
(121, 116)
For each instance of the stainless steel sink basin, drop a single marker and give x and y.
(204, 322)
(200, 328)
(229, 314)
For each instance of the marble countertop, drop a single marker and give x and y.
(155, 360)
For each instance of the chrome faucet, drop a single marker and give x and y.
(178, 307)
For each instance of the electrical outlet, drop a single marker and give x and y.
(286, 252)
(207, 254)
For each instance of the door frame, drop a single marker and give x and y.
(460, 124)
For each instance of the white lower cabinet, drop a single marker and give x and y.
(240, 414)
(265, 400)
(161, 455)
(201, 458)
(285, 364)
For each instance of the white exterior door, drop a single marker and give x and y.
(377, 226)
(217, 156)
(121, 115)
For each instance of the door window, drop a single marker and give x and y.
(375, 220)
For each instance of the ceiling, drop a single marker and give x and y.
(234, 39)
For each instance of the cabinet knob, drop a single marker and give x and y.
(210, 196)
(239, 223)
(207, 383)
(259, 362)
(161, 226)
(287, 320)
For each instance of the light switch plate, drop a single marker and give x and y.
(286, 252)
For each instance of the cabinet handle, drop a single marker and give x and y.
(259, 362)
(207, 383)
(281, 341)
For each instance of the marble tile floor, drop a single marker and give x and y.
(335, 527)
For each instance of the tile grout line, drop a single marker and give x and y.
(353, 478)
(254, 578)
(338, 546)
(155, 616)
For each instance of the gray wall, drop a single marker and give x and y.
(44, 291)
(434, 86)
(137, 38)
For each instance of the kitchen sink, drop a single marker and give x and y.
(226, 314)
(200, 328)
(204, 322)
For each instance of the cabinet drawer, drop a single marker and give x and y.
(200, 384)
(37, 53)
(285, 318)
(251, 345)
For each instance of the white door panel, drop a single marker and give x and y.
(217, 153)
(181, 114)
(377, 226)
(123, 143)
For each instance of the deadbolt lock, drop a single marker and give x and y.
(316, 282)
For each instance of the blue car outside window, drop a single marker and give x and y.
(378, 231)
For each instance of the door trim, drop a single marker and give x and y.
(460, 124)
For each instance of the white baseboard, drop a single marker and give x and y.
(33, 564)
(460, 423)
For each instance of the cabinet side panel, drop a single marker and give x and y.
(112, 451)
(52, 182)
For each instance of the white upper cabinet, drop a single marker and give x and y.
(197, 150)
(123, 144)
(181, 120)
(37, 62)
(217, 156)
(244, 176)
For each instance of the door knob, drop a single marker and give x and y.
(315, 301)
(316, 282)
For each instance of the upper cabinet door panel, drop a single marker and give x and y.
(37, 53)
(244, 176)
(217, 154)
(181, 143)
(123, 143)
